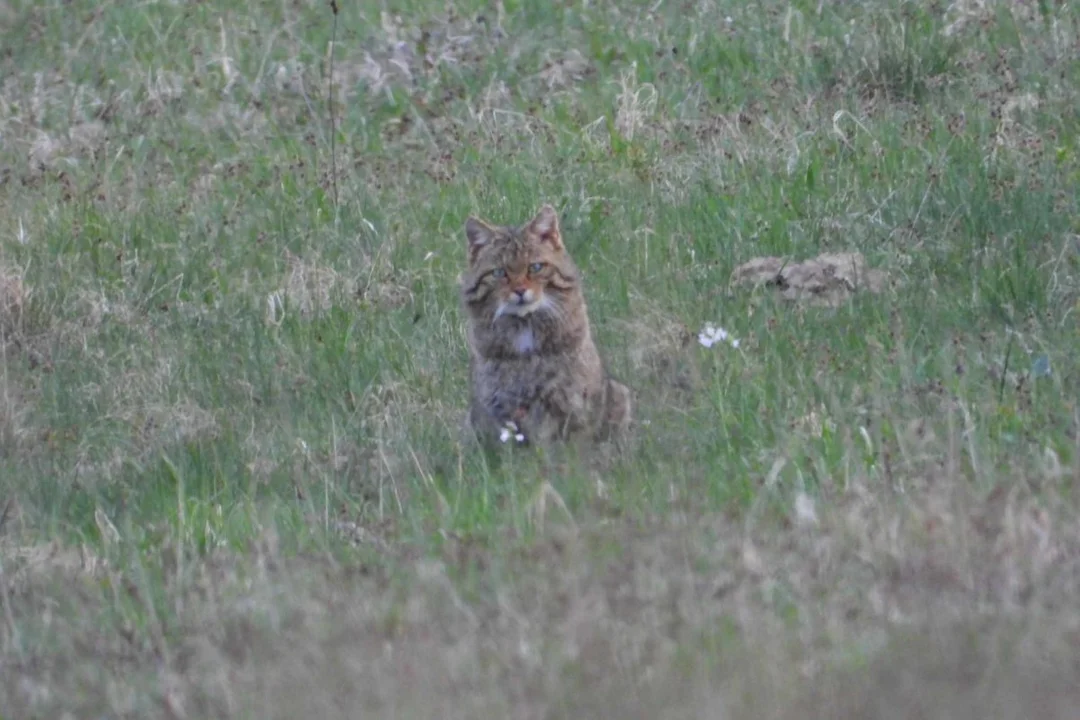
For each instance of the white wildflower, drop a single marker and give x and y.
(711, 335)
(510, 429)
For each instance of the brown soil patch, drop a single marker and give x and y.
(828, 279)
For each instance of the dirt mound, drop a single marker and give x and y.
(829, 279)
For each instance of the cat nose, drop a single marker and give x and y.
(520, 292)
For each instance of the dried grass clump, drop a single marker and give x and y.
(14, 297)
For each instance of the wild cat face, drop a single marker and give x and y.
(518, 271)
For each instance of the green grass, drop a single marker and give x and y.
(234, 365)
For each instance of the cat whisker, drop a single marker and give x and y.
(551, 307)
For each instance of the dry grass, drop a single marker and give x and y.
(940, 603)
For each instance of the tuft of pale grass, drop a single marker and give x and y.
(14, 299)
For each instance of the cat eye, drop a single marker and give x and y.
(498, 272)
(536, 267)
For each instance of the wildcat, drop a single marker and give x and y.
(533, 362)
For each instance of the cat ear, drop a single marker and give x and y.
(479, 234)
(545, 227)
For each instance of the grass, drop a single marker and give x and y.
(229, 405)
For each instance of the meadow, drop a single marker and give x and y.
(233, 365)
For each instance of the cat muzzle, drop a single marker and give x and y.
(524, 296)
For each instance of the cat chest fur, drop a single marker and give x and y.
(527, 377)
(525, 341)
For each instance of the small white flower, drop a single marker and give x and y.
(710, 335)
(510, 429)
